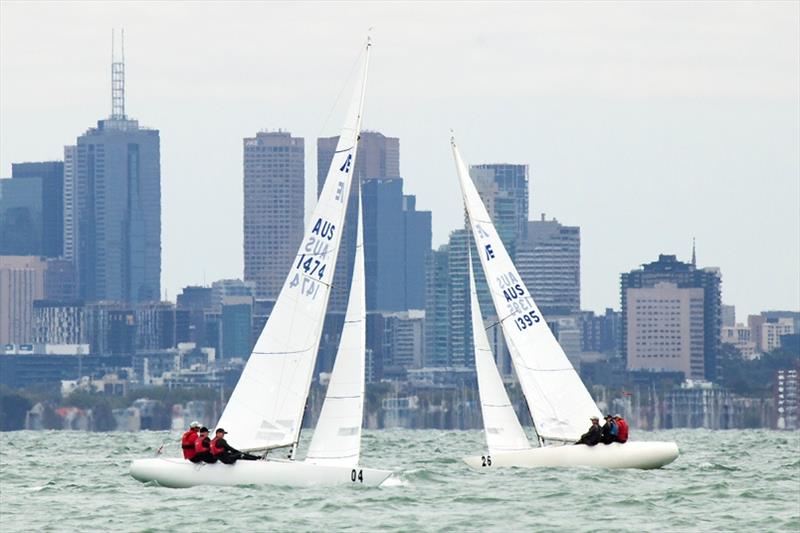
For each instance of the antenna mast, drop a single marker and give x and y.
(118, 79)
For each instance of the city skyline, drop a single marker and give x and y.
(687, 141)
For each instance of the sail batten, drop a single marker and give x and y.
(266, 406)
(558, 401)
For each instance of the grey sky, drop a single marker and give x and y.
(645, 124)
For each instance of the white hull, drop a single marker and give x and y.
(644, 455)
(180, 473)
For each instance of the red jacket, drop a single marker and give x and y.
(187, 443)
(202, 444)
(215, 450)
(622, 433)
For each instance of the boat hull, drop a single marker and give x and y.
(645, 455)
(180, 473)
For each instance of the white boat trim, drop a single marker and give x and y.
(179, 473)
(643, 455)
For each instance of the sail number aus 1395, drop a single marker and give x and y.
(526, 320)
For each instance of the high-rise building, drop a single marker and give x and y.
(418, 238)
(448, 330)
(21, 282)
(196, 301)
(671, 318)
(112, 210)
(59, 322)
(437, 315)
(31, 210)
(378, 157)
(274, 195)
(549, 261)
(235, 327)
(504, 191)
(397, 239)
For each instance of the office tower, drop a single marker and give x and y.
(448, 330)
(160, 326)
(437, 316)
(378, 157)
(223, 288)
(111, 328)
(196, 301)
(671, 318)
(112, 206)
(31, 210)
(21, 282)
(549, 261)
(504, 191)
(235, 327)
(60, 280)
(59, 322)
(418, 236)
(274, 189)
(397, 239)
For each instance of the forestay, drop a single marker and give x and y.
(559, 402)
(266, 407)
(337, 438)
(500, 423)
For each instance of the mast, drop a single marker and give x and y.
(349, 163)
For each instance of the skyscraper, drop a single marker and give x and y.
(274, 189)
(112, 210)
(378, 157)
(671, 311)
(397, 239)
(549, 261)
(31, 210)
(504, 191)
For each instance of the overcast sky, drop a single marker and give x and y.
(644, 124)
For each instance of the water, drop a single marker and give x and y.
(723, 480)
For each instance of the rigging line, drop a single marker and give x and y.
(341, 90)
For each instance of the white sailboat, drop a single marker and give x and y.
(559, 403)
(266, 408)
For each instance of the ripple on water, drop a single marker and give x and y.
(716, 484)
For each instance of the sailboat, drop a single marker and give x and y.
(265, 411)
(559, 403)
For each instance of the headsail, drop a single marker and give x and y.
(266, 407)
(337, 438)
(503, 430)
(559, 402)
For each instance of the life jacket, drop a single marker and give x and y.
(202, 445)
(216, 450)
(622, 435)
(187, 443)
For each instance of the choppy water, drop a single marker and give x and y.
(723, 481)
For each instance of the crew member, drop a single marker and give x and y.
(202, 447)
(610, 431)
(188, 439)
(591, 437)
(225, 452)
(622, 428)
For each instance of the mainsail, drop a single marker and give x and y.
(337, 438)
(503, 430)
(266, 407)
(559, 403)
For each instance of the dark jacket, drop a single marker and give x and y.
(591, 437)
(609, 433)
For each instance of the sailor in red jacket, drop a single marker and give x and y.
(622, 428)
(188, 439)
(202, 447)
(227, 453)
